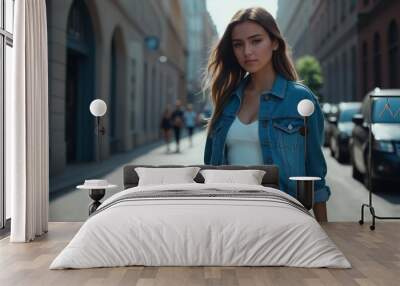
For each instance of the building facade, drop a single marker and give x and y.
(326, 30)
(333, 25)
(293, 18)
(378, 45)
(111, 50)
(356, 43)
(201, 34)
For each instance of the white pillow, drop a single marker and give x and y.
(163, 176)
(249, 177)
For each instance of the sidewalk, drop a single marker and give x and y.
(76, 174)
(69, 204)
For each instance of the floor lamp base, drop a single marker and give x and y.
(374, 216)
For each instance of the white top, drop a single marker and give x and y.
(244, 144)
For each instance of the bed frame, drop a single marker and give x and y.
(270, 179)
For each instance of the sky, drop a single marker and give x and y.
(222, 10)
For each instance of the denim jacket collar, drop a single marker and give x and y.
(278, 88)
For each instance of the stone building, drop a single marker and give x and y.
(201, 34)
(111, 50)
(378, 45)
(293, 18)
(356, 42)
(326, 30)
(333, 25)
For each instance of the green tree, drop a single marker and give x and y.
(309, 71)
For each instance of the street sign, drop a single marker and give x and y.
(152, 42)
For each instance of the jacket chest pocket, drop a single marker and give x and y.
(287, 133)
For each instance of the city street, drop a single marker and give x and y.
(344, 204)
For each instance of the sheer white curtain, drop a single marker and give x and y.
(27, 124)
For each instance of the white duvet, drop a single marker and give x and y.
(200, 231)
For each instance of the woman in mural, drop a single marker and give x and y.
(255, 91)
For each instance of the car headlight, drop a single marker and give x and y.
(384, 146)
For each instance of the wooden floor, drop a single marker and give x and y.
(374, 255)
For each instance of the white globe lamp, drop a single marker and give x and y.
(305, 107)
(98, 108)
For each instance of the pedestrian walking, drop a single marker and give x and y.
(166, 126)
(177, 123)
(190, 117)
(255, 91)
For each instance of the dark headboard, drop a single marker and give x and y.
(270, 179)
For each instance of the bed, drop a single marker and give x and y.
(201, 224)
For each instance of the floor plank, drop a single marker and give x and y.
(374, 255)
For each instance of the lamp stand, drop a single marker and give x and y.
(98, 140)
(305, 185)
(305, 145)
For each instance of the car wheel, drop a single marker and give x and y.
(331, 147)
(356, 174)
(326, 141)
(340, 157)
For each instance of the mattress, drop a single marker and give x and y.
(201, 225)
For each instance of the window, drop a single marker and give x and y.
(343, 10)
(345, 95)
(386, 110)
(365, 66)
(353, 4)
(133, 92)
(6, 44)
(354, 72)
(336, 4)
(330, 82)
(394, 61)
(377, 60)
(336, 74)
(347, 114)
(145, 95)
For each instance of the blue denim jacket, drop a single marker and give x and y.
(279, 134)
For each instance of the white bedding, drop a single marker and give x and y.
(200, 231)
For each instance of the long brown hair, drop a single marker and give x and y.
(224, 73)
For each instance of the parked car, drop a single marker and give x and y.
(329, 109)
(385, 138)
(341, 126)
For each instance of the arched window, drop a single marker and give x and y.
(145, 96)
(353, 74)
(343, 4)
(112, 114)
(336, 75)
(77, 20)
(377, 60)
(345, 93)
(365, 66)
(79, 85)
(393, 46)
